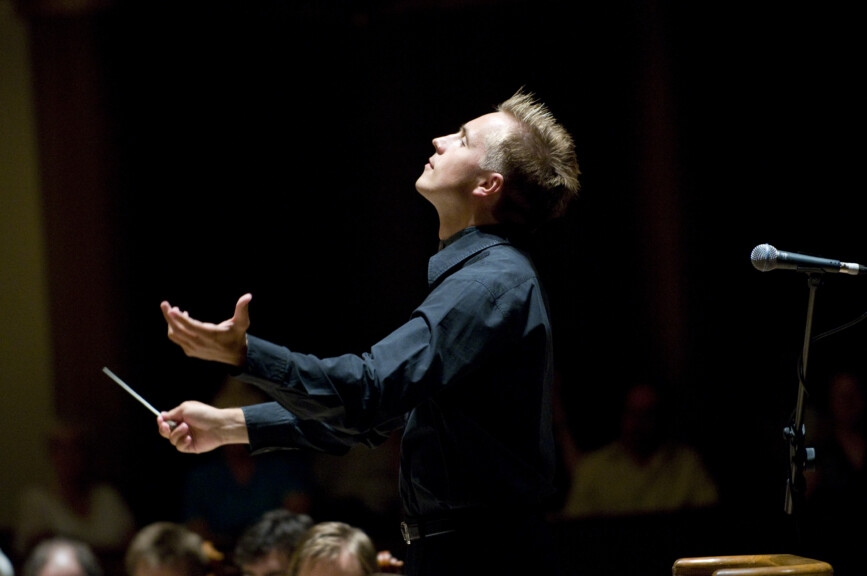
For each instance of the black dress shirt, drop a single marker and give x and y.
(468, 377)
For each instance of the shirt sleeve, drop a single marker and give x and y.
(270, 426)
(351, 395)
(332, 403)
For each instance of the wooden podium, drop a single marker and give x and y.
(751, 565)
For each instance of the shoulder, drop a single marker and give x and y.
(503, 266)
(483, 270)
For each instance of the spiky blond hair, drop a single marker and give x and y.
(537, 161)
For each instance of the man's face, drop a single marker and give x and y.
(275, 563)
(455, 166)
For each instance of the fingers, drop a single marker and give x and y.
(163, 425)
(173, 313)
(180, 435)
(170, 314)
(182, 438)
(165, 308)
(183, 330)
(224, 342)
(181, 326)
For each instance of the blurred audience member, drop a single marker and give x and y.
(75, 504)
(266, 547)
(335, 549)
(62, 557)
(6, 565)
(170, 549)
(837, 485)
(842, 441)
(644, 470)
(228, 489)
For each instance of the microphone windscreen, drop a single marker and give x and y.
(764, 257)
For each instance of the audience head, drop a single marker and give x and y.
(61, 557)
(5, 565)
(642, 420)
(335, 549)
(167, 549)
(266, 547)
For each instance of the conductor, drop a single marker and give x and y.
(468, 378)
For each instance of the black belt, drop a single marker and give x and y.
(470, 518)
(424, 529)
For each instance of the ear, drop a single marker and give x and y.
(489, 185)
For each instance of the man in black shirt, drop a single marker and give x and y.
(468, 377)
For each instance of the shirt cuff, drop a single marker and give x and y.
(266, 360)
(269, 427)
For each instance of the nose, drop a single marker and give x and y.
(442, 142)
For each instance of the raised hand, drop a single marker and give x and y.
(224, 342)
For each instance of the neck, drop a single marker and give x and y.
(449, 226)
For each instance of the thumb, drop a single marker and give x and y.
(242, 311)
(168, 421)
(175, 413)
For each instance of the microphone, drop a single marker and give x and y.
(765, 257)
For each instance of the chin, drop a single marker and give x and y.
(419, 185)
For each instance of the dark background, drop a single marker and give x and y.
(194, 151)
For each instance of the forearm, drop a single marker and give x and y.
(271, 426)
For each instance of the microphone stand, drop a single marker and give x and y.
(800, 456)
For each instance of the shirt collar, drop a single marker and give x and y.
(462, 245)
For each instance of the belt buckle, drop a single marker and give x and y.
(404, 530)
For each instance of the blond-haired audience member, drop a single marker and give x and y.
(335, 549)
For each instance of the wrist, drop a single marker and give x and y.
(234, 428)
(241, 357)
